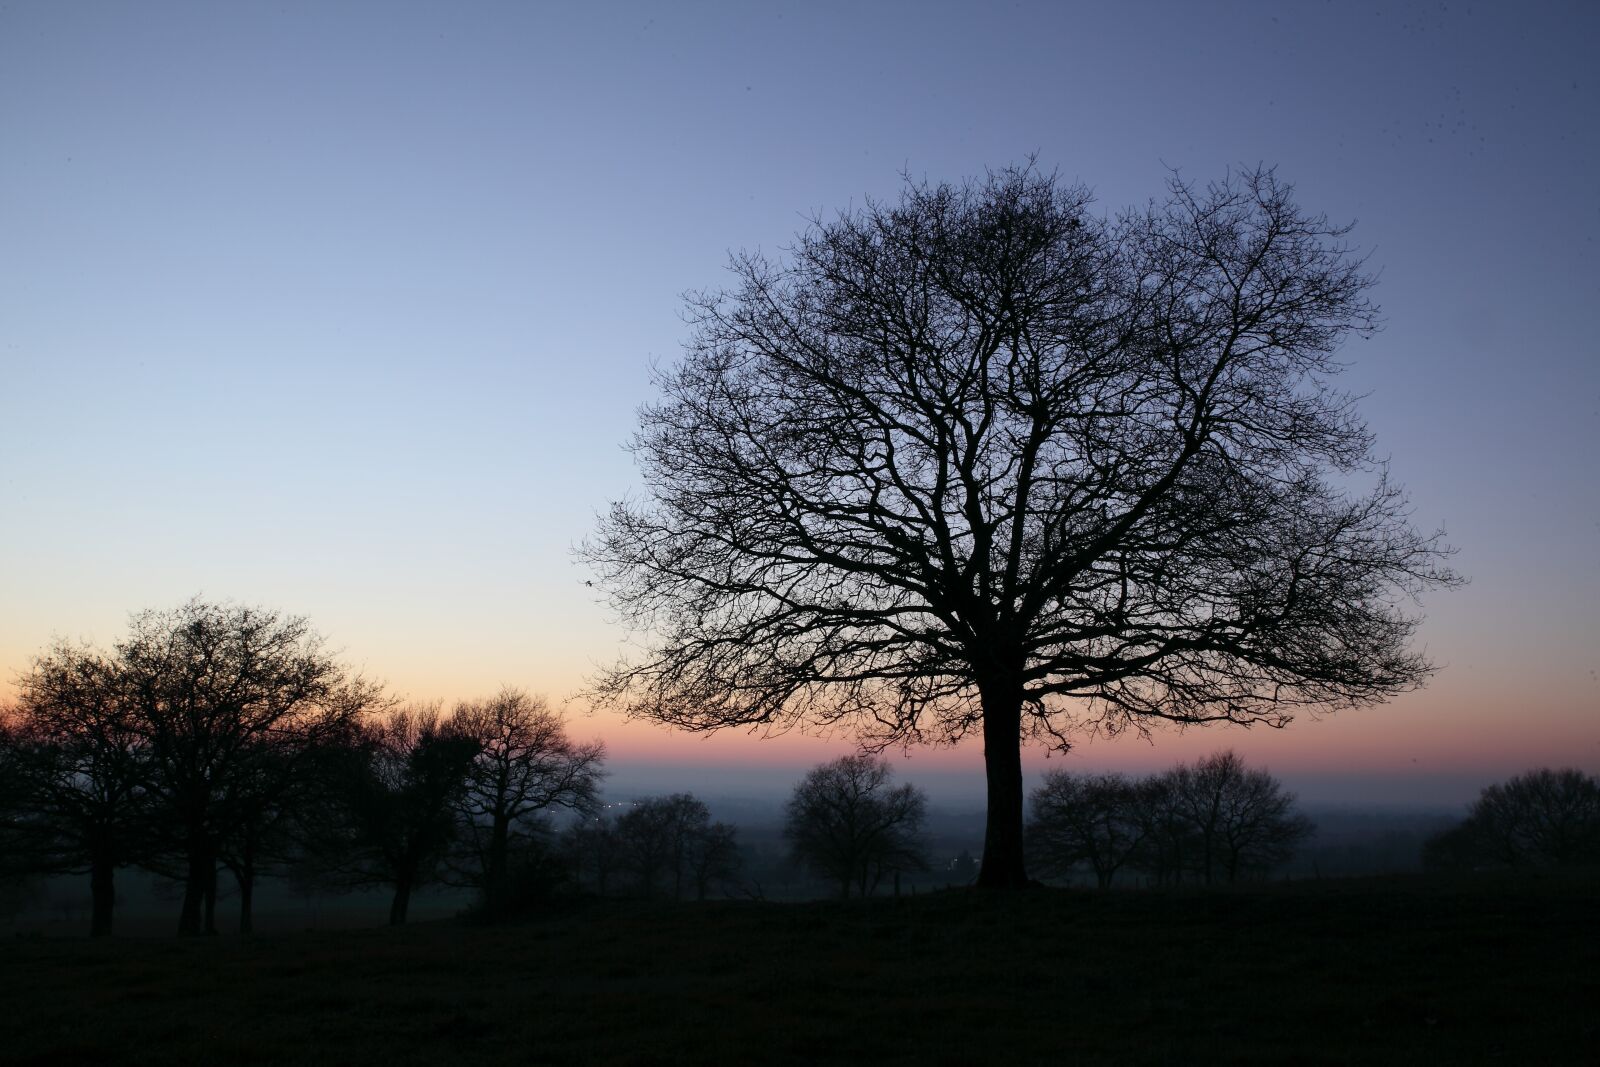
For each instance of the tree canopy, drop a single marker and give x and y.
(983, 460)
(847, 823)
(1542, 818)
(526, 767)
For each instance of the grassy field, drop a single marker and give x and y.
(1393, 971)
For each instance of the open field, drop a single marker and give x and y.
(1399, 970)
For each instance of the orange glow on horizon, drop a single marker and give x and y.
(1475, 719)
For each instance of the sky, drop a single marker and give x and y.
(348, 309)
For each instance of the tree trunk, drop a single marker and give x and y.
(103, 892)
(247, 889)
(194, 893)
(245, 875)
(401, 902)
(494, 882)
(1002, 759)
(211, 900)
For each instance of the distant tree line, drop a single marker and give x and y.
(220, 740)
(1543, 819)
(1212, 822)
(664, 847)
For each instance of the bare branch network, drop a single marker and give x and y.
(982, 446)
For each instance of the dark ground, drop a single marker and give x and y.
(1400, 970)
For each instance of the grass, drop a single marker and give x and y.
(1382, 971)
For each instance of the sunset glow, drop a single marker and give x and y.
(347, 311)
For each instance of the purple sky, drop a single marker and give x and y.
(346, 308)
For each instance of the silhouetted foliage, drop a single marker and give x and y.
(21, 835)
(227, 701)
(394, 811)
(15, 807)
(75, 773)
(847, 824)
(1544, 818)
(984, 461)
(666, 845)
(714, 859)
(1215, 821)
(525, 767)
(1080, 820)
(593, 853)
(273, 793)
(538, 867)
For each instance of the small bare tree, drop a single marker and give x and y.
(846, 823)
(1084, 819)
(713, 858)
(526, 766)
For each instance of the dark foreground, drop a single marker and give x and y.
(1403, 971)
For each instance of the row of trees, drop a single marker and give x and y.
(225, 740)
(220, 738)
(658, 847)
(423, 798)
(845, 823)
(1213, 821)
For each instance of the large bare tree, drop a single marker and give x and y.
(984, 461)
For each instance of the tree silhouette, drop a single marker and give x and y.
(593, 851)
(983, 461)
(227, 700)
(394, 814)
(75, 772)
(1543, 818)
(713, 858)
(1216, 821)
(846, 823)
(1084, 819)
(15, 809)
(272, 794)
(525, 767)
(672, 838)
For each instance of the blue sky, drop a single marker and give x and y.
(347, 308)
